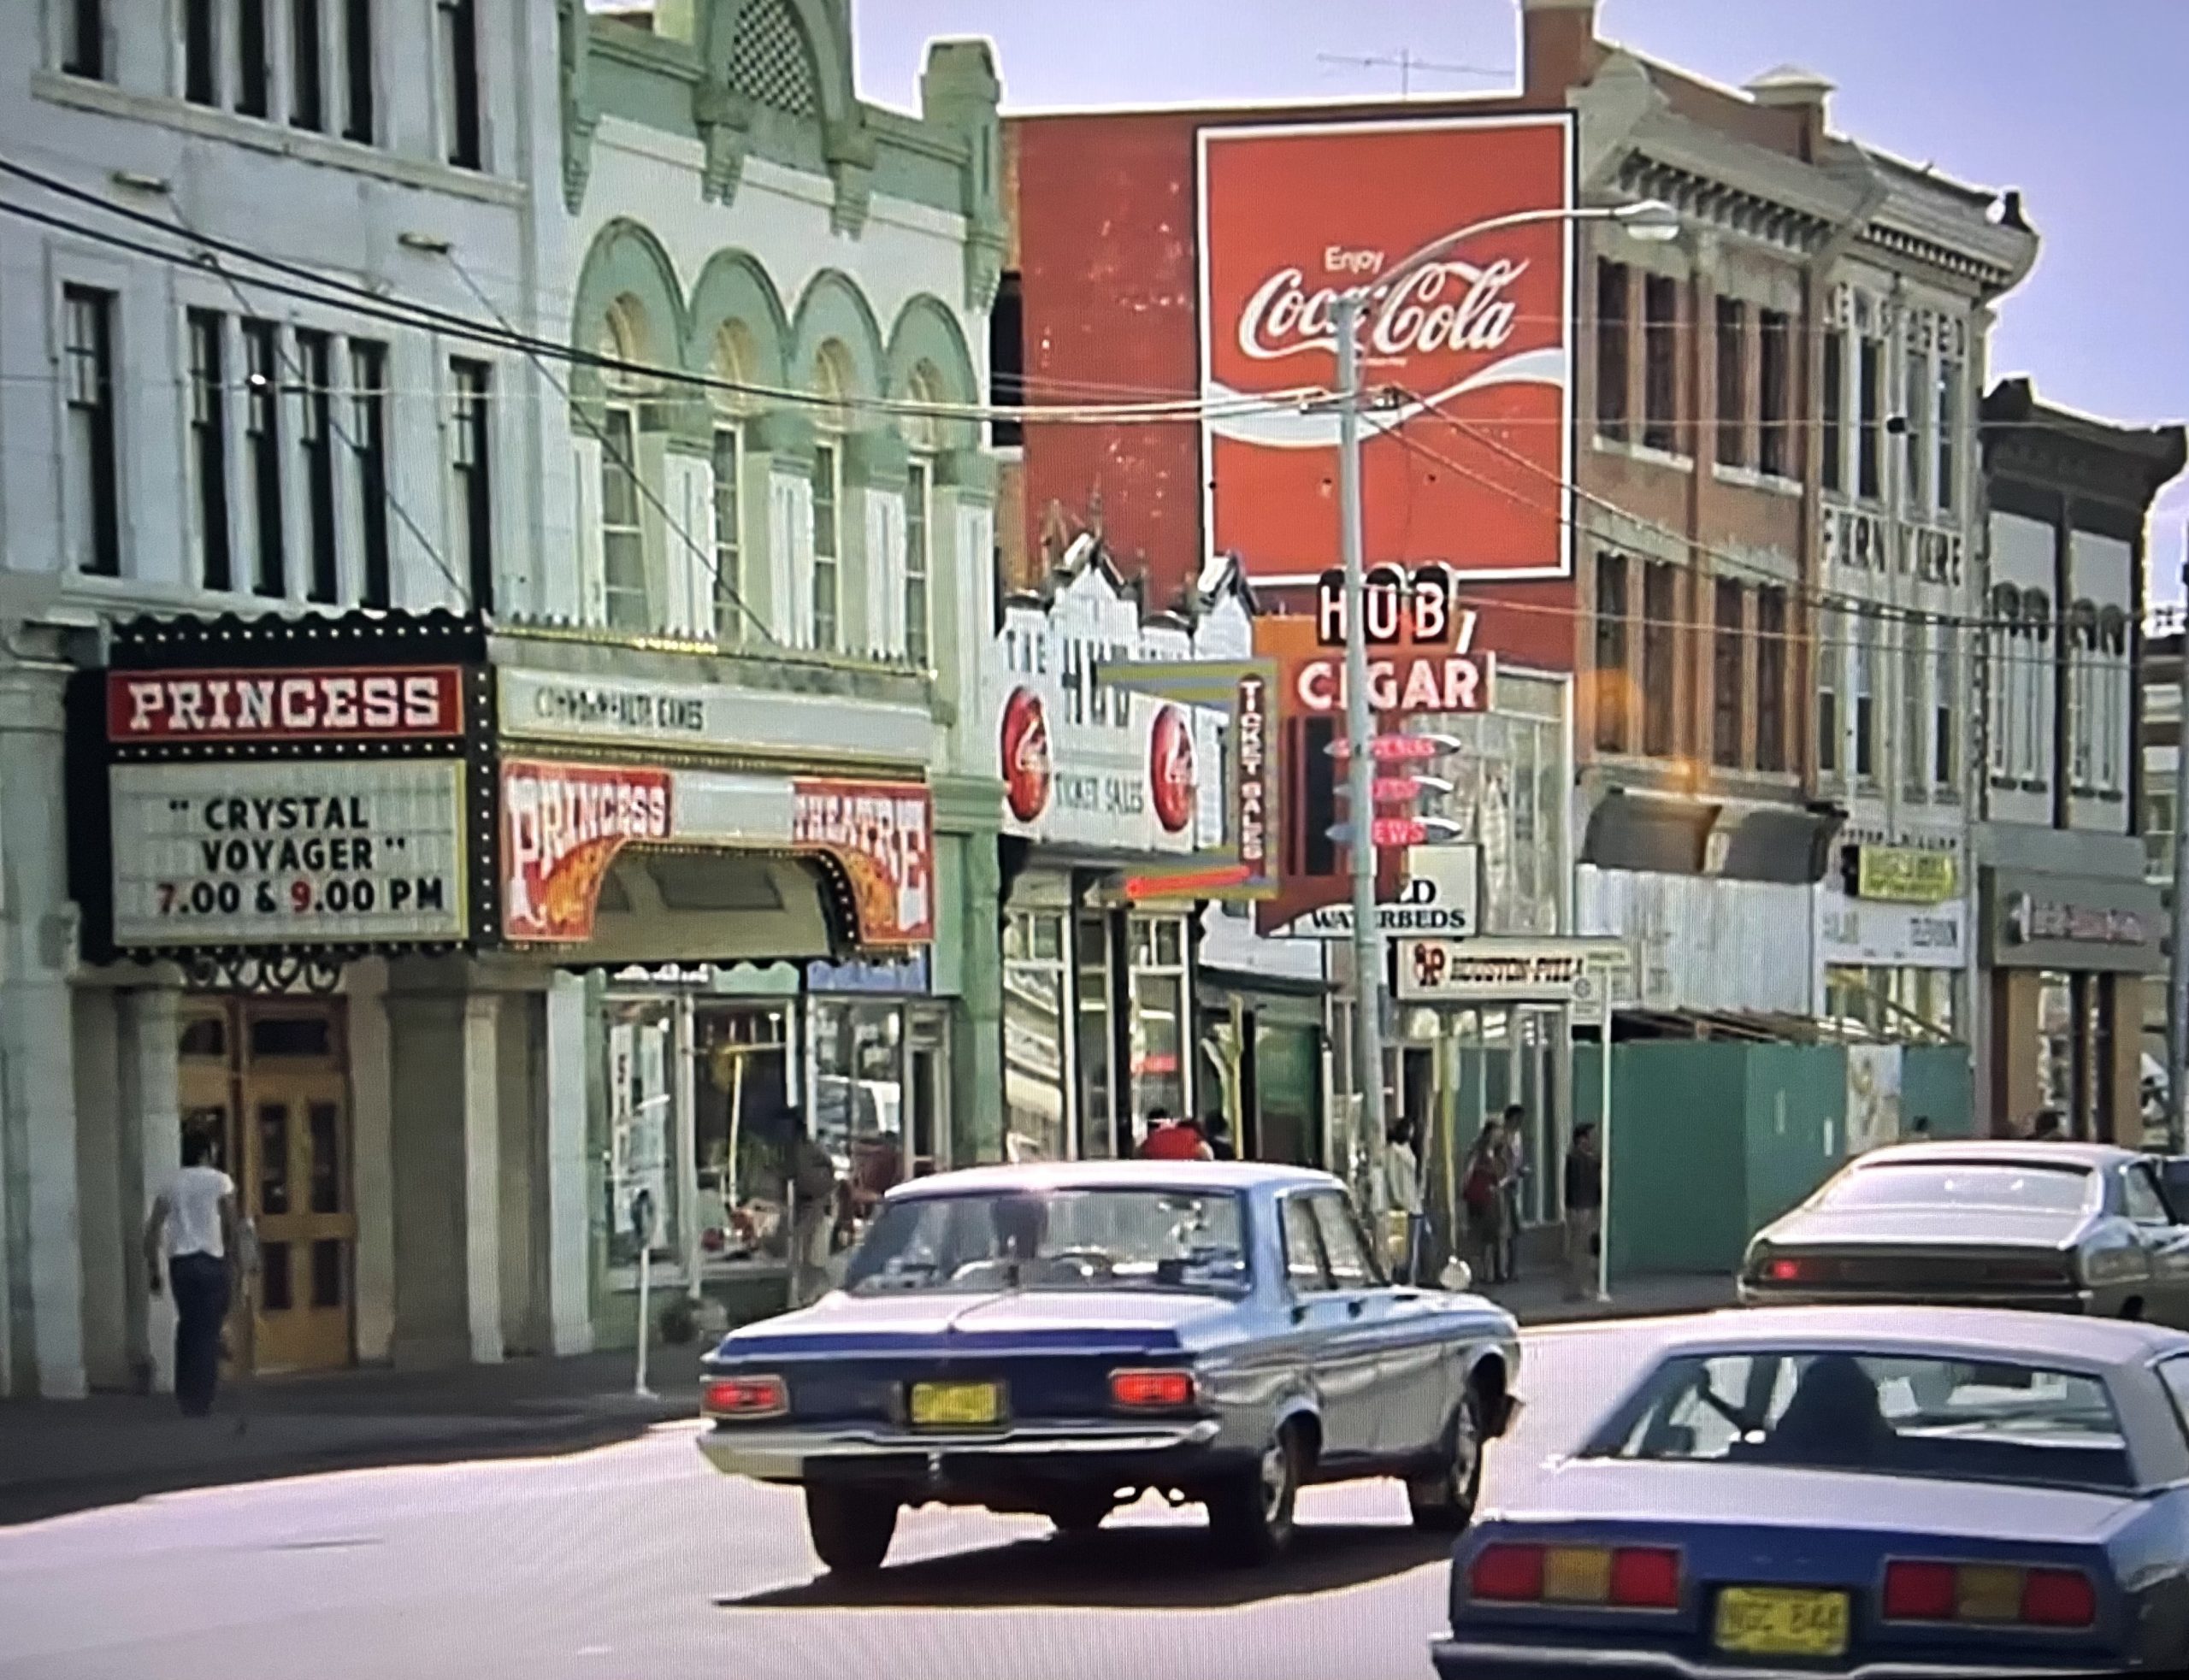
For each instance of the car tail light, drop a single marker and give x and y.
(2058, 1598)
(1782, 1271)
(1921, 1591)
(1626, 1577)
(1508, 1574)
(743, 1397)
(1645, 1578)
(1151, 1390)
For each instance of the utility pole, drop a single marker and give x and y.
(1646, 219)
(2177, 973)
(1359, 767)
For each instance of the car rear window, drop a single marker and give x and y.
(1098, 1239)
(1887, 1414)
(2028, 1187)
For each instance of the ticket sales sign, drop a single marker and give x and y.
(317, 853)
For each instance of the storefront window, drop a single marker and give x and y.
(1907, 1005)
(859, 1096)
(1034, 1035)
(1158, 1016)
(2056, 1042)
(1509, 785)
(641, 1129)
(1097, 1121)
(741, 1128)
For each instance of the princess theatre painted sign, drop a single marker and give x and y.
(328, 788)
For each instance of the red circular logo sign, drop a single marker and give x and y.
(1028, 773)
(1171, 770)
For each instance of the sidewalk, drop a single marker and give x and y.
(1540, 1300)
(59, 1456)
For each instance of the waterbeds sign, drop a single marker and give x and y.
(1471, 462)
(288, 853)
(1437, 895)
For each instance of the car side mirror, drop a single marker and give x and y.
(1457, 1277)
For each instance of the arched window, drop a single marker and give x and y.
(832, 383)
(623, 339)
(734, 363)
(2037, 686)
(2001, 710)
(2083, 723)
(923, 434)
(2114, 676)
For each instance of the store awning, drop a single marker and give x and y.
(1276, 999)
(718, 907)
(1667, 836)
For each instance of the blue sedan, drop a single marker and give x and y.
(1934, 1492)
(1059, 1340)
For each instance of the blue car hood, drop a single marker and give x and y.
(1624, 1490)
(1032, 1320)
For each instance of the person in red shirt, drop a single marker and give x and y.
(1170, 1140)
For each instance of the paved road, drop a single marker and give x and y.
(639, 1561)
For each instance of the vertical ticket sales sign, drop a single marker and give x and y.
(1468, 444)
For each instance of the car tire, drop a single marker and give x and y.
(850, 1527)
(1444, 1502)
(1251, 1514)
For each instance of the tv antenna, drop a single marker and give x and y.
(1406, 63)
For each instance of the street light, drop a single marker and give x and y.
(1648, 219)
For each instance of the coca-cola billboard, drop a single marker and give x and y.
(1467, 438)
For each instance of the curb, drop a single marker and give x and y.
(26, 1502)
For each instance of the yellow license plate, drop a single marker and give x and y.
(956, 1405)
(1782, 1622)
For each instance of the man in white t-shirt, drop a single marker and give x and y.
(192, 1226)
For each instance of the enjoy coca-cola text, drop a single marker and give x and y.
(1447, 306)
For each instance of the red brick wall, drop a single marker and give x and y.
(1106, 228)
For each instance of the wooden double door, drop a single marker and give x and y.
(267, 1083)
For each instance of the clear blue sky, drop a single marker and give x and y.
(2082, 105)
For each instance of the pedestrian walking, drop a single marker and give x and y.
(1170, 1140)
(2047, 1128)
(1481, 1189)
(813, 1213)
(1515, 1144)
(1918, 1129)
(1219, 1133)
(1402, 1190)
(192, 1228)
(1584, 1213)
